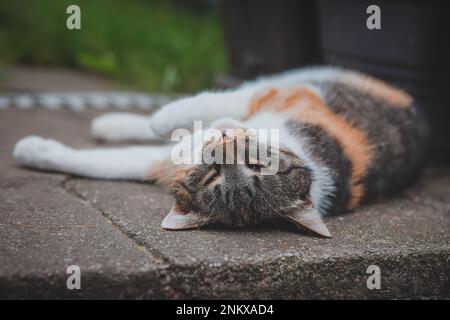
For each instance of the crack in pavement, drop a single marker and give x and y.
(162, 261)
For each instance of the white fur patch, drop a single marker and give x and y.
(300, 76)
(323, 184)
(122, 126)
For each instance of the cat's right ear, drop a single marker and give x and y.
(310, 218)
(178, 219)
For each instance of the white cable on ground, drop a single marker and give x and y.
(81, 100)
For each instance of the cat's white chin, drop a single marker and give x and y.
(177, 219)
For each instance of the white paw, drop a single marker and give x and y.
(37, 152)
(107, 126)
(163, 122)
(121, 126)
(175, 115)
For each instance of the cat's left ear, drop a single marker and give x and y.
(177, 219)
(311, 219)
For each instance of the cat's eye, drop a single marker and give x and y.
(212, 174)
(255, 166)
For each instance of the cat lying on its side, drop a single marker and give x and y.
(344, 138)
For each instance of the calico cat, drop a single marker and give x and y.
(345, 138)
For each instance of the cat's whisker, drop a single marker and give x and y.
(304, 127)
(165, 177)
(214, 198)
(154, 177)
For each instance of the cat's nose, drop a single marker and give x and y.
(226, 137)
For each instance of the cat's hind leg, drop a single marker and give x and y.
(128, 163)
(122, 126)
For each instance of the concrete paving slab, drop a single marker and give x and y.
(44, 229)
(273, 260)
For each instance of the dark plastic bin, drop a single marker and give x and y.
(269, 36)
(412, 50)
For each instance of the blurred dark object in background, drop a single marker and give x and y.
(269, 36)
(196, 2)
(411, 50)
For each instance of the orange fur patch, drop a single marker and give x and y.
(261, 98)
(305, 105)
(165, 172)
(378, 89)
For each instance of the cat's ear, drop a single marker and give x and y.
(177, 219)
(310, 218)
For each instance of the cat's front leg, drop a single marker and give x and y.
(206, 107)
(130, 163)
(122, 126)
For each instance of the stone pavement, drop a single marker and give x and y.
(38, 79)
(111, 231)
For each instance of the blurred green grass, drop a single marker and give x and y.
(146, 45)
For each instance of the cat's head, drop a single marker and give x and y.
(244, 188)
